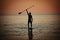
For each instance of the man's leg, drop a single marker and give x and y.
(31, 24)
(28, 24)
(31, 35)
(28, 31)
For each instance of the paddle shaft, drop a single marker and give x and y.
(27, 8)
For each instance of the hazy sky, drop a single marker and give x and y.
(40, 6)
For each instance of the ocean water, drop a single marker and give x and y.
(45, 27)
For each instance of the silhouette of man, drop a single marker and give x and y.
(30, 19)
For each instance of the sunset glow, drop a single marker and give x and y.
(41, 6)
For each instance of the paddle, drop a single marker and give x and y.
(25, 9)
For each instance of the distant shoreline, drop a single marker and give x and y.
(25, 14)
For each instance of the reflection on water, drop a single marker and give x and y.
(15, 27)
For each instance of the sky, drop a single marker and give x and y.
(40, 6)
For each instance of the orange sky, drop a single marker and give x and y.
(41, 6)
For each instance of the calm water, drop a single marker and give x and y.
(44, 26)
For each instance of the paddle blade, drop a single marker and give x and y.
(19, 12)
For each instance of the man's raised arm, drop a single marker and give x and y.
(27, 11)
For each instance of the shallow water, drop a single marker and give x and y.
(44, 26)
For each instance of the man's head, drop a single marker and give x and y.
(29, 13)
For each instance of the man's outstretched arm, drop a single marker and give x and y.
(27, 11)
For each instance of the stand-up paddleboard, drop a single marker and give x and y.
(25, 9)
